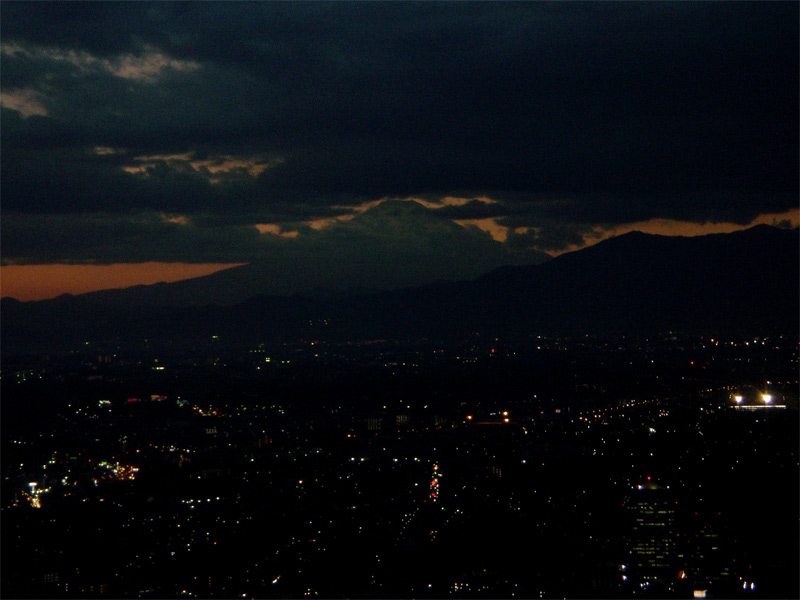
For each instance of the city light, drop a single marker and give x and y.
(333, 496)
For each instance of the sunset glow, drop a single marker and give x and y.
(684, 228)
(39, 282)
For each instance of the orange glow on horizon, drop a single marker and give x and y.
(40, 282)
(489, 225)
(670, 227)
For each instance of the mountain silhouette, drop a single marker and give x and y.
(742, 282)
(392, 245)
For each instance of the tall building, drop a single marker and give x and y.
(671, 551)
(705, 556)
(651, 539)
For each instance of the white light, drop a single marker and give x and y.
(767, 398)
(738, 399)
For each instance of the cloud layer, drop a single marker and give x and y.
(232, 132)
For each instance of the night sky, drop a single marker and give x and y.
(443, 138)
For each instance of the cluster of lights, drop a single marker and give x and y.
(435, 483)
(191, 502)
(504, 414)
(767, 401)
(120, 472)
(34, 496)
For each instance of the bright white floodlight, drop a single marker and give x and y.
(767, 398)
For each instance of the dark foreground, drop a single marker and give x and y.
(579, 467)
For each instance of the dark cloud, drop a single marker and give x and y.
(104, 238)
(568, 115)
(394, 244)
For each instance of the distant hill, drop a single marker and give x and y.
(747, 281)
(392, 245)
(632, 283)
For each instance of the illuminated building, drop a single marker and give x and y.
(702, 554)
(651, 539)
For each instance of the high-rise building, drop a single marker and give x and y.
(651, 539)
(705, 557)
